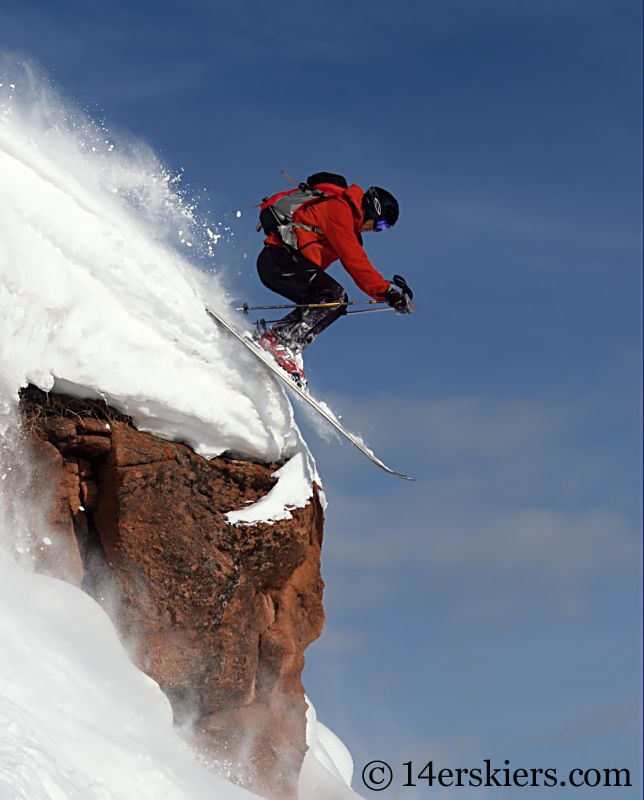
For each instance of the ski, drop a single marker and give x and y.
(268, 362)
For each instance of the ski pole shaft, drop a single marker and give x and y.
(246, 308)
(370, 310)
(288, 177)
(360, 311)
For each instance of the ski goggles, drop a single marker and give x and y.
(381, 225)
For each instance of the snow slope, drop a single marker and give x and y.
(328, 765)
(97, 299)
(79, 722)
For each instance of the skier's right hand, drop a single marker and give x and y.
(398, 301)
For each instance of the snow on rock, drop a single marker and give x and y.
(94, 301)
(293, 489)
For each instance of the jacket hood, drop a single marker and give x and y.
(353, 195)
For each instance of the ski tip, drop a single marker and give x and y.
(389, 470)
(403, 477)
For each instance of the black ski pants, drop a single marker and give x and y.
(288, 273)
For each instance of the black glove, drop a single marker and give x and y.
(400, 302)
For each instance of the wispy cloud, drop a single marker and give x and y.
(511, 497)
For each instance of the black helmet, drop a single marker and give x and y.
(380, 205)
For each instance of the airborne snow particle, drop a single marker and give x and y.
(47, 541)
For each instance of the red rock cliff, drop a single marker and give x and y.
(218, 615)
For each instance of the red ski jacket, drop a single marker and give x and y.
(339, 217)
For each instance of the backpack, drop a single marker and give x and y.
(276, 212)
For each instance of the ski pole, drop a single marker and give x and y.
(361, 311)
(246, 308)
(370, 310)
(285, 174)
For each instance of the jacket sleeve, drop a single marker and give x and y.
(340, 232)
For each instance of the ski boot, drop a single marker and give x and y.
(287, 358)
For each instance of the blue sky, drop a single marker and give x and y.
(491, 609)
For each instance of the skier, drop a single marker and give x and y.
(307, 229)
